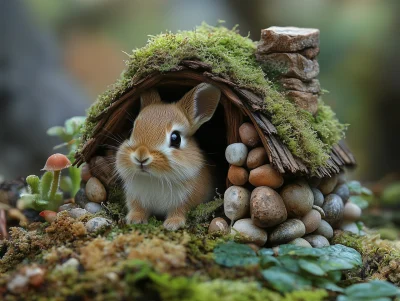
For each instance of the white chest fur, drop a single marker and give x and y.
(155, 194)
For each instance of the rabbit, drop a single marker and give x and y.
(161, 166)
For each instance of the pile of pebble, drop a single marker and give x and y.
(291, 53)
(264, 208)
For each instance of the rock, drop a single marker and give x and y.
(310, 53)
(350, 227)
(342, 179)
(68, 206)
(248, 134)
(351, 212)
(324, 229)
(218, 225)
(290, 65)
(298, 85)
(311, 221)
(249, 233)
(287, 39)
(257, 157)
(314, 182)
(333, 208)
(238, 175)
(71, 263)
(304, 100)
(236, 202)
(287, 231)
(236, 154)
(18, 284)
(267, 208)
(85, 173)
(95, 191)
(328, 184)
(97, 223)
(298, 198)
(265, 175)
(343, 191)
(318, 197)
(317, 241)
(93, 207)
(300, 242)
(80, 198)
(77, 212)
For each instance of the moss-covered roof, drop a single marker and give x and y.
(231, 56)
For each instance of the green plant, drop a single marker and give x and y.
(361, 196)
(70, 135)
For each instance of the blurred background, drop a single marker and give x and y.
(57, 56)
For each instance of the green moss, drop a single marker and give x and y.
(205, 212)
(233, 57)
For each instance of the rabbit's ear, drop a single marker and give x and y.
(200, 103)
(149, 97)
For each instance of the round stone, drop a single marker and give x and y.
(236, 154)
(257, 157)
(287, 231)
(314, 181)
(350, 227)
(238, 175)
(85, 173)
(343, 191)
(328, 184)
(318, 197)
(236, 202)
(218, 225)
(300, 242)
(311, 221)
(352, 212)
(67, 207)
(298, 198)
(95, 191)
(248, 134)
(93, 207)
(97, 223)
(77, 212)
(324, 229)
(267, 208)
(317, 241)
(333, 208)
(246, 232)
(265, 175)
(80, 198)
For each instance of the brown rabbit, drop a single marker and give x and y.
(163, 170)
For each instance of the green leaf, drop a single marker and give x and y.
(290, 263)
(354, 187)
(56, 131)
(311, 267)
(265, 252)
(372, 290)
(300, 251)
(34, 183)
(344, 298)
(339, 257)
(40, 205)
(268, 260)
(232, 254)
(359, 201)
(74, 124)
(366, 191)
(45, 184)
(285, 281)
(327, 284)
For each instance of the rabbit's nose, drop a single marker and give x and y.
(143, 161)
(140, 160)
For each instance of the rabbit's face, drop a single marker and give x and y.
(162, 143)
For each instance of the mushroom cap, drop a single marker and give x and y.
(57, 162)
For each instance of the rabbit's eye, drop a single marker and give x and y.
(175, 139)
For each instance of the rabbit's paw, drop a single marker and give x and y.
(135, 217)
(174, 223)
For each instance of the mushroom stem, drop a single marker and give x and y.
(54, 184)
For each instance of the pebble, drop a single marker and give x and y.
(343, 191)
(238, 175)
(85, 173)
(257, 157)
(77, 212)
(95, 191)
(248, 134)
(249, 233)
(298, 198)
(304, 100)
(287, 231)
(324, 229)
(93, 207)
(314, 182)
(300, 242)
(328, 184)
(311, 221)
(317, 241)
(265, 175)
(333, 208)
(71, 263)
(236, 154)
(342, 177)
(236, 202)
(350, 227)
(218, 225)
(318, 197)
(66, 207)
(97, 223)
(80, 198)
(352, 212)
(267, 208)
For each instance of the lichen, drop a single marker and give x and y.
(233, 57)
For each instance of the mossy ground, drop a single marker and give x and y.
(233, 57)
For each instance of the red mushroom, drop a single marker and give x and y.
(56, 163)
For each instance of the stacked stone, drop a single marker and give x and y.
(290, 54)
(264, 209)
